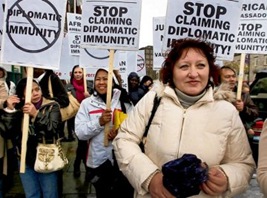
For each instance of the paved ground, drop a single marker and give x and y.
(79, 188)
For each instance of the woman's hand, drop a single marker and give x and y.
(86, 94)
(156, 188)
(112, 134)
(105, 117)
(30, 109)
(12, 101)
(217, 182)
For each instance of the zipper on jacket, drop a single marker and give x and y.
(181, 132)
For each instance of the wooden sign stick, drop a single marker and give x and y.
(109, 92)
(26, 120)
(84, 80)
(240, 76)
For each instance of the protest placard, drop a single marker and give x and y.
(74, 22)
(136, 62)
(67, 62)
(216, 22)
(252, 33)
(158, 32)
(111, 24)
(33, 30)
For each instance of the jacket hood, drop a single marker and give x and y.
(106, 69)
(133, 75)
(5, 73)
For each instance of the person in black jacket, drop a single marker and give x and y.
(45, 118)
(59, 95)
(134, 90)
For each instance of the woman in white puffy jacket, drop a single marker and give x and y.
(189, 120)
(89, 125)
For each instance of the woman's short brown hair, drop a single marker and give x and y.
(178, 47)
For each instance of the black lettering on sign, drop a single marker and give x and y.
(122, 63)
(208, 10)
(159, 27)
(109, 11)
(253, 7)
(26, 29)
(250, 27)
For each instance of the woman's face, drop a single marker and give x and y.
(36, 93)
(101, 82)
(148, 83)
(191, 72)
(78, 73)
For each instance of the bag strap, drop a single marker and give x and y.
(50, 87)
(156, 103)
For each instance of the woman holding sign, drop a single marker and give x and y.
(196, 143)
(45, 118)
(89, 125)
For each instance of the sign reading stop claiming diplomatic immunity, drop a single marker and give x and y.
(111, 24)
(33, 32)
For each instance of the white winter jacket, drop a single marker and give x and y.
(211, 129)
(87, 127)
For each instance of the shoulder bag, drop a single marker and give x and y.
(71, 110)
(49, 157)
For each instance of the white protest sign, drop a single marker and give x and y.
(216, 22)
(67, 62)
(74, 40)
(111, 24)
(158, 32)
(252, 34)
(141, 63)
(33, 31)
(74, 22)
(136, 62)
(122, 67)
(131, 62)
(92, 57)
(1, 22)
(122, 62)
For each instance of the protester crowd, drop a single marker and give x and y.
(196, 130)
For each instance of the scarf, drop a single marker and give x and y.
(79, 89)
(186, 100)
(38, 104)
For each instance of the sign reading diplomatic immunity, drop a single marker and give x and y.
(33, 30)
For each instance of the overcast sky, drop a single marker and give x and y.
(150, 8)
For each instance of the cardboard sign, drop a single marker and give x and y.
(252, 33)
(216, 22)
(111, 24)
(33, 31)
